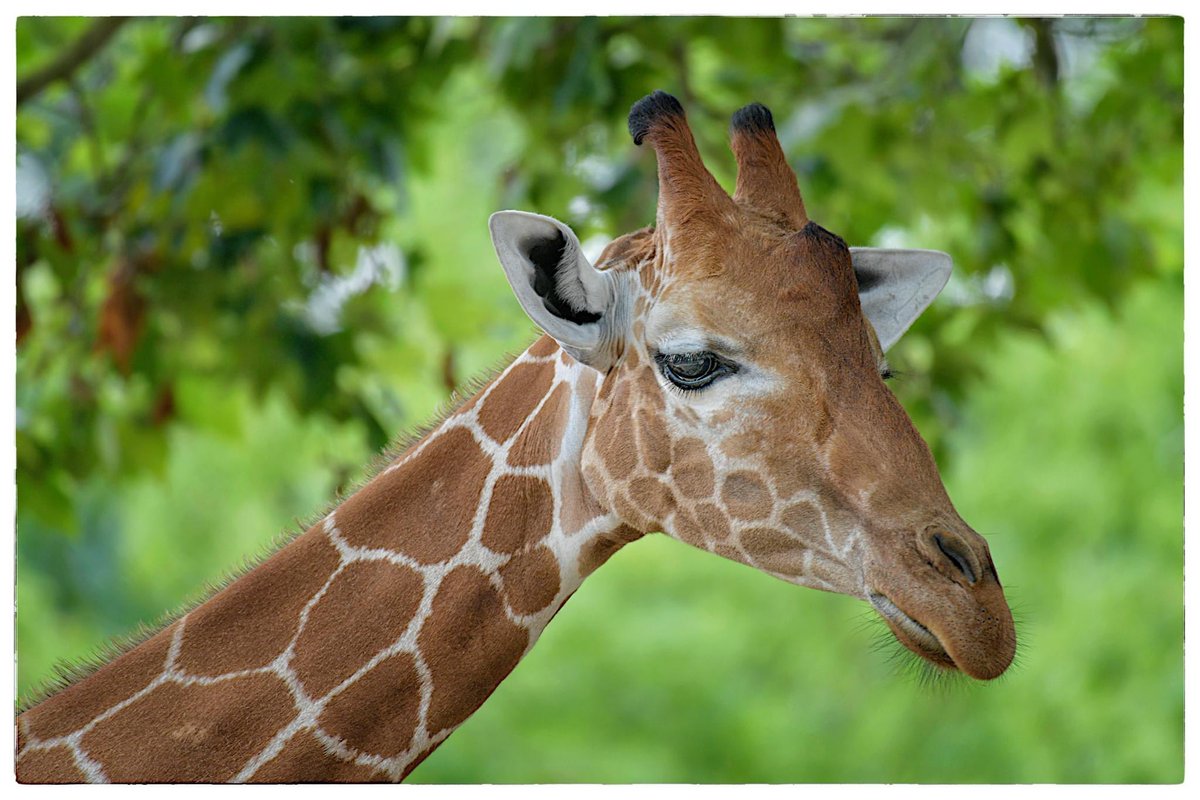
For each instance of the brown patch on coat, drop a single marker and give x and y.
(378, 714)
(616, 444)
(742, 445)
(467, 619)
(579, 505)
(607, 387)
(648, 391)
(514, 399)
(55, 765)
(595, 553)
(79, 704)
(425, 508)
(714, 520)
(539, 443)
(531, 580)
(544, 346)
(629, 512)
(204, 733)
(686, 529)
(746, 496)
(730, 552)
(521, 511)
(599, 550)
(653, 499)
(252, 620)
(654, 443)
(773, 551)
(803, 518)
(305, 760)
(585, 383)
(366, 608)
(705, 521)
(721, 417)
(686, 414)
(692, 468)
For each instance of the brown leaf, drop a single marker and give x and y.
(122, 317)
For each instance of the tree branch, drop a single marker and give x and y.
(86, 46)
(1045, 51)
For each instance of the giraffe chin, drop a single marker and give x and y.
(912, 634)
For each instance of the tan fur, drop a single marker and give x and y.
(67, 711)
(461, 655)
(422, 495)
(380, 596)
(204, 732)
(336, 621)
(221, 637)
(513, 400)
(304, 759)
(55, 765)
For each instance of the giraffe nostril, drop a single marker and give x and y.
(953, 551)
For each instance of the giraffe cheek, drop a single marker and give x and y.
(743, 445)
(692, 469)
(804, 519)
(746, 496)
(773, 551)
(653, 442)
(615, 444)
(704, 526)
(653, 499)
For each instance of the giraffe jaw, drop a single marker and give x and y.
(912, 634)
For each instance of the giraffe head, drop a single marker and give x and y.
(741, 404)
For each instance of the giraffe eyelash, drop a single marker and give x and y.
(674, 367)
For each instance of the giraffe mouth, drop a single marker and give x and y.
(910, 633)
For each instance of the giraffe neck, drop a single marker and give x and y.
(355, 650)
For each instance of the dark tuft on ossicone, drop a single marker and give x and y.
(754, 118)
(815, 232)
(647, 110)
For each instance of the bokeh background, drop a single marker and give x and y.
(252, 251)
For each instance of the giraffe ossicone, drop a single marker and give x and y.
(716, 377)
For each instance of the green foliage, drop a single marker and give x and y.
(251, 251)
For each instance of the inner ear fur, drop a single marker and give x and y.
(562, 294)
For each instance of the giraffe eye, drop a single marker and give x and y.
(692, 371)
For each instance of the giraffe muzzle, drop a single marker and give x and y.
(910, 633)
(942, 599)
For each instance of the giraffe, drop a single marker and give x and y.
(717, 377)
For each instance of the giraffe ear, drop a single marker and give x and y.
(895, 286)
(557, 286)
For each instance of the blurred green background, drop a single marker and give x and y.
(252, 251)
